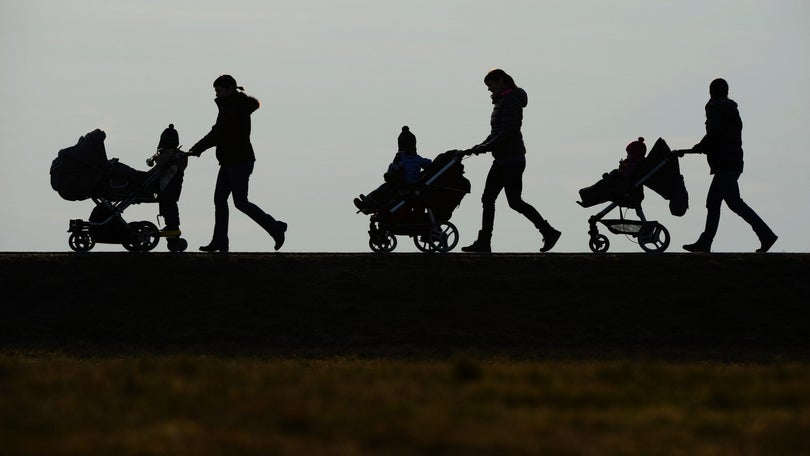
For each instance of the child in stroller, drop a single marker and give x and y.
(83, 172)
(414, 204)
(403, 173)
(624, 187)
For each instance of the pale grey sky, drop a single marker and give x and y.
(338, 79)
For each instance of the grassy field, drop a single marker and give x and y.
(404, 354)
(207, 405)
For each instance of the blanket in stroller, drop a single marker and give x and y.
(83, 171)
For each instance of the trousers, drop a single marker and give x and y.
(509, 178)
(233, 180)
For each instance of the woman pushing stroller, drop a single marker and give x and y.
(231, 136)
(505, 141)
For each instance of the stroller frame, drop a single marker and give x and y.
(141, 236)
(429, 234)
(652, 236)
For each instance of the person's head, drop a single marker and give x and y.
(225, 86)
(407, 141)
(498, 80)
(718, 89)
(636, 148)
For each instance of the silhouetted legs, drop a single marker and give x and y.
(167, 202)
(510, 179)
(724, 187)
(233, 180)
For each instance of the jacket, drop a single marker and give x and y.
(723, 141)
(505, 140)
(231, 132)
(409, 166)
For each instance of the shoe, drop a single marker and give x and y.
(170, 231)
(478, 247)
(550, 239)
(214, 248)
(767, 243)
(278, 234)
(698, 247)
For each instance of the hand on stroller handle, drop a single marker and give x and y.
(178, 154)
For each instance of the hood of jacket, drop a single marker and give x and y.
(239, 101)
(514, 91)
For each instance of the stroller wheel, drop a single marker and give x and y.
(144, 237)
(443, 237)
(655, 239)
(81, 242)
(176, 245)
(599, 243)
(383, 242)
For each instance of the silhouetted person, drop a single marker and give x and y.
(170, 195)
(231, 136)
(723, 148)
(509, 153)
(405, 170)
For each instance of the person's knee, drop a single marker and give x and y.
(488, 200)
(241, 204)
(516, 203)
(713, 204)
(736, 204)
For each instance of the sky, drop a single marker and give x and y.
(338, 79)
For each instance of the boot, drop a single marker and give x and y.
(767, 242)
(700, 246)
(550, 238)
(481, 245)
(278, 234)
(214, 248)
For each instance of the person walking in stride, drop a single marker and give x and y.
(231, 136)
(509, 153)
(723, 148)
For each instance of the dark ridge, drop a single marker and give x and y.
(726, 307)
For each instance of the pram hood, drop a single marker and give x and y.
(83, 171)
(667, 181)
(76, 169)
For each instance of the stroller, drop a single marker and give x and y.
(423, 211)
(661, 173)
(83, 172)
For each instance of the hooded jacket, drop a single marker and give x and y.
(231, 133)
(723, 141)
(505, 140)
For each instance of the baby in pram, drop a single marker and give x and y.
(403, 172)
(617, 185)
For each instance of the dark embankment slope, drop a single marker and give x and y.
(735, 307)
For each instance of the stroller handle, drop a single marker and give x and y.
(179, 153)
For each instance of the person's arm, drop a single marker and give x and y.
(508, 125)
(208, 141)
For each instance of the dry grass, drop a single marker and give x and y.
(52, 404)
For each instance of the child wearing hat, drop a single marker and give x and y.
(405, 170)
(636, 151)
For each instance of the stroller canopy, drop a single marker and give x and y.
(76, 169)
(667, 181)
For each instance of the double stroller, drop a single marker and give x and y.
(659, 172)
(423, 211)
(82, 172)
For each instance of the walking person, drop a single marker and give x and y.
(231, 136)
(505, 141)
(723, 148)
